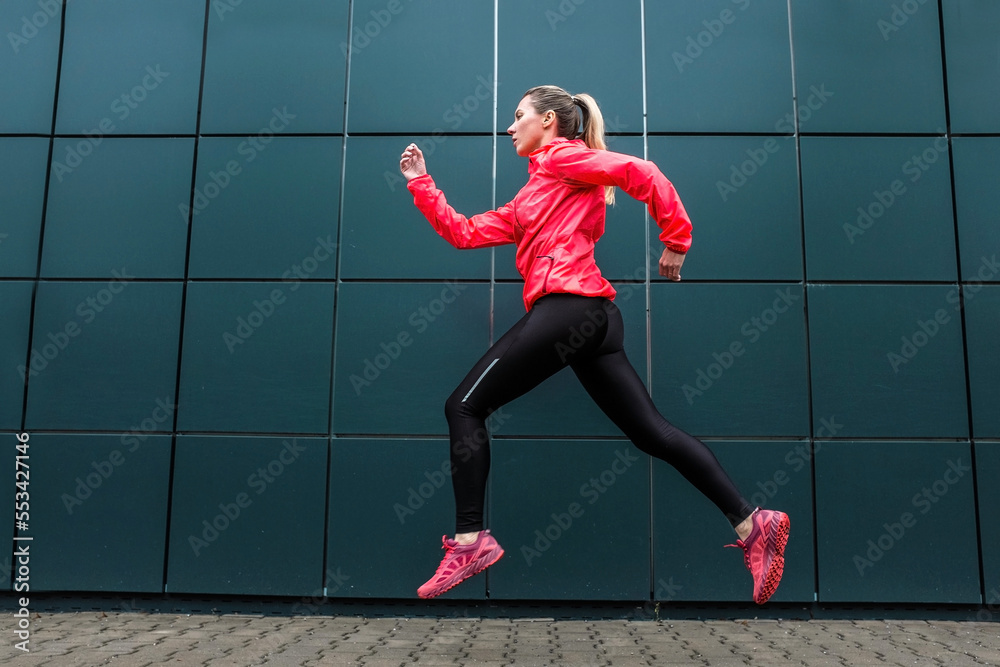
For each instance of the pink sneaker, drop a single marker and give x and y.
(764, 551)
(460, 562)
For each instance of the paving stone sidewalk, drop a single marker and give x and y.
(139, 638)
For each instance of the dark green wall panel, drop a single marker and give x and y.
(275, 55)
(877, 208)
(265, 207)
(573, 519)
(973, 77)
(699, 71)
(544, 42)
(118, 210)
(887, 360)
(131, 68)
(876, 73)
(446, 85)
(977, 171)
(99, 511)
(717, 353)
(103, 353)
(257, 357)
(240, 507)
(896, 522)
(560, 406)
(511, 176)
(204, 236)
(742, 197)
(385, 235)
(28, 66)
(402, 348)
(21, 199)
(15, 304)
(988, 499)
(689, 531)
(982, 321)
(390, 502)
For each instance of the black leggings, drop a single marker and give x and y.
(586, 334)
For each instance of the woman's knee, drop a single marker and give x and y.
(457, 407)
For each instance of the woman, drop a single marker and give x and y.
(554, 221)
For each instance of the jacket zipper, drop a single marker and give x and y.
(545, 282)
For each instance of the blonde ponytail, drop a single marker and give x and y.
(589, 121)
(592, 132)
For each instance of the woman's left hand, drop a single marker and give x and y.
(670, 264)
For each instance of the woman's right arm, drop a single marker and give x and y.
(480, 231)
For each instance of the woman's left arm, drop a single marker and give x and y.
(641, 180)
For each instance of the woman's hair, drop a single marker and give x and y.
(588, 124)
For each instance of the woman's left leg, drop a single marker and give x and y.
(612, 382)
(610, 379)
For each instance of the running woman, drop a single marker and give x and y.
(554, 221)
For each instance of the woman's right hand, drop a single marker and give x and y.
(411, 163)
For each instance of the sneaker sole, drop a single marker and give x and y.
(475, 568)
(777, 568)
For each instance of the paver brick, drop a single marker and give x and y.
(88, 638)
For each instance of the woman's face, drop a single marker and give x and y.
(530, 129)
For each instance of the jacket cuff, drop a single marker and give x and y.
(419, 181)
(679, 249)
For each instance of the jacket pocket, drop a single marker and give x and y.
(548, 271)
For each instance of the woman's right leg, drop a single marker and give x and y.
(538, 346)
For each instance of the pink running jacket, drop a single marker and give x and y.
(557, 217)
